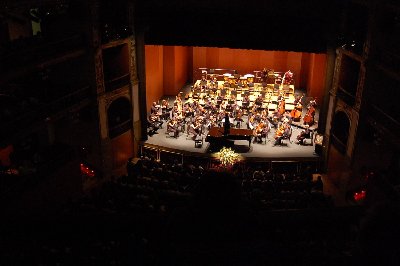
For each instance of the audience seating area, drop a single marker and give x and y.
(153, 216)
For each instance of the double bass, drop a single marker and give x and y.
(281, 106)
(309, 117)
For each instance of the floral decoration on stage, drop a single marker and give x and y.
(227, 156)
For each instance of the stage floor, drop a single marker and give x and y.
(287, 151)
(257, 151)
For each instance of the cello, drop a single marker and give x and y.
(258, 131)
(295, 114)
(309, 117)
(279, 131)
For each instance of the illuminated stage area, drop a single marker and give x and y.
(268, 92)
(257, 151)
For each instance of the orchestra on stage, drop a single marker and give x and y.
(264, 103)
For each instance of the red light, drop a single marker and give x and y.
(86, 171)
(358, 196)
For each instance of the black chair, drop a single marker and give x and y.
(198, 141)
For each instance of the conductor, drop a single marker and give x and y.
(227, 125)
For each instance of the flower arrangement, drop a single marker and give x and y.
(227, 156)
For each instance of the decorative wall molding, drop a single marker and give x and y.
(109, 97)
(341, 106)
(98, 61)
(132, 61)
(360, 87)
(336, 72)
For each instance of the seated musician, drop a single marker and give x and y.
(172, 126)
(232, 98)
(288, 130)
(259, 100)
(223, 105)
(281, 96)
(187, 110)
(154, 108)
(214, 82)
(304, 134)
(297, 99)
(219, 99)
(282, 132)
(220, 117)
(194, 104)
(246, 101)
(254, 109)
(154, 123)
(258, 132)
(238, 116)
(264, 114)
(178, 101)
(203, 80)
(287, 118)
(213, 120)
(312, 103)
(165, 109)
(176, 113)
(195, 128)
(223, 92)
(165, 104)
(210, 121)
(275, 118)
(208, 103)
(252, 122)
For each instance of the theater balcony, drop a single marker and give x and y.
(35, 35)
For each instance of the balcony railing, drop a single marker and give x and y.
(117, 83)
(36, 50)
(346, 96)
(34, 114)
(68, 100)
(120, 128)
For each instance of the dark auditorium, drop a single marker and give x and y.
(147, 132)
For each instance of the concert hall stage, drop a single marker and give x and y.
(256, 151)
(265, 151)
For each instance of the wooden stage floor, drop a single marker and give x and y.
(257, 151)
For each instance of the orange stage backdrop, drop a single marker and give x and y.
(168, 68)
(154, 73)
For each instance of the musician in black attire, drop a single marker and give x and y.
(227, 125)
(304, 134)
